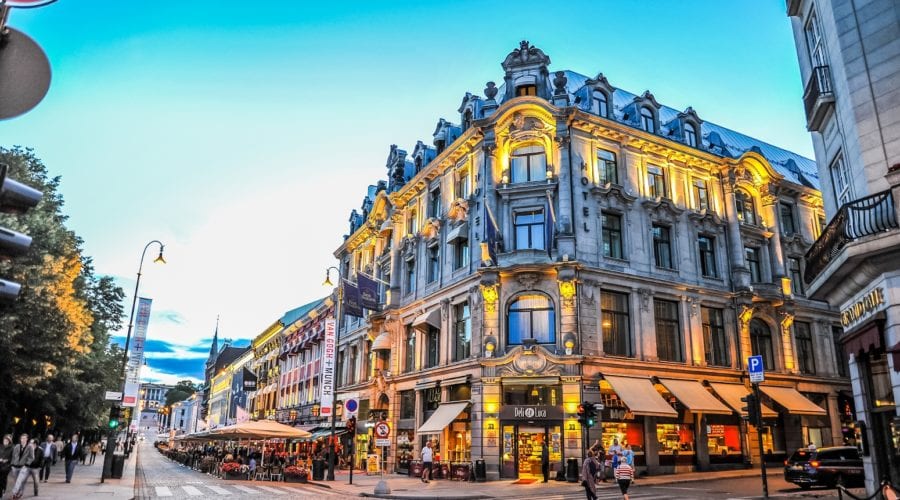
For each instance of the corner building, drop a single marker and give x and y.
(644, 253)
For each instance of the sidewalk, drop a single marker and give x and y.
(403, 486)
(86, 482)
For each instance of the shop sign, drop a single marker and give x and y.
(613, 414)
(327, 387)
(520, 412)
(863, 307)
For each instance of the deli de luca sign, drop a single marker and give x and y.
(537, 412)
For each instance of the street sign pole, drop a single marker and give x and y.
(757, 371)
(762, 457)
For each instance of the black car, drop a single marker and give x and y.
(840, 465)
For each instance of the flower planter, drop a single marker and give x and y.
(295, 479)
(236, 475)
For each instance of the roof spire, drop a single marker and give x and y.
(214, 348)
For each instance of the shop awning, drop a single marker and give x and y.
(382, 342)
(640, 396)
(432, 318)
(732, 394)
(324, 433)
(442, 417)
(792, 401)
(694, 396)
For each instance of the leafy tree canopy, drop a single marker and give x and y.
(182, 390)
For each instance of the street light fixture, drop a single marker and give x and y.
(111, 438)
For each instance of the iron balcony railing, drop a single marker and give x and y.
(818, 87)
(863, 217)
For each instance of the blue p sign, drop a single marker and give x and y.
(756, 369)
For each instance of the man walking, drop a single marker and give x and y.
(49, 449)
(72, 454)
(427, 462)
(23, 455)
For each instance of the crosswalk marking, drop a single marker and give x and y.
(163, 491)
(275, 491)
(246, 489)
(220, 491)
(192, 491)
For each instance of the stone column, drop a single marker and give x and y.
(693, 331)
(834, 416)
(564, 222)
(701, 445)
(645, 340)
(651, 445)
(739, 272)
(770, 214)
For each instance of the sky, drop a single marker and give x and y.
(242, 134)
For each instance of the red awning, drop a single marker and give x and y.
(864, 340)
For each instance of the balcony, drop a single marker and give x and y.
(856, 219)
(818, 98)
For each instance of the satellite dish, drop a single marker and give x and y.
(24, 74)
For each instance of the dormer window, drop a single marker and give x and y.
(647, 121)
(690, 134)
(746, 211)
(601, 104)
(526, 90)
(467, 120)
(528, 164)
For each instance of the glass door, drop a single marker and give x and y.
(530, 441)
(509, 452)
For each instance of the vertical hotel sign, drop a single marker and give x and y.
(328, 368)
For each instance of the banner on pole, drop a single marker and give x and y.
(328, 368)
(136, 354)
(352, 305)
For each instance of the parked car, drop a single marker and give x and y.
(840, 465)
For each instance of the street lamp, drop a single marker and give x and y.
(111, 438)
(332, 458)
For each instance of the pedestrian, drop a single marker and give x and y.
(34, 468)
(615, 450)
(95, 448)
(811, 447)
(545, 460)
(23, 455)
(6, 455)
(628, 455)
(588, 476)
(72, 454)
(624, 476)
(600, 456)
(49, 449)
(427, 462)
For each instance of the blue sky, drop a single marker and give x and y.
(242, 134)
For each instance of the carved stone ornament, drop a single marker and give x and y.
(408, 246)
(525, 55)
(646, 295)
(567, 292)
(615, 195)
(490, 91)
(527, 280)
(706, 220)
(431, 229)
(787, 320)
(559, 81)
(459, 210)
(490, 294)
(663, 208)
(528, 363)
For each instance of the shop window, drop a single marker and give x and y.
(840, 357)
(407, 404)
(707, 248)
(460, 392)
(648, 123)
(662, 246)
(532, 395)
(616, 323)
(607, 170)
(601, 104)
(746, 210)
(786, 212)
(668, 332)
(431, 400)
(529, 230)
(656, 182)
(409, 359)
(623, 434)
(432, 347)
(612, 235)
(796, 275)
(531, 317)
(701, 195)
(714, 340)
(806, 358)
(753, 264)
(675, 439)
(761, 342)
(528, 164)
(724, 443)
(462, 331)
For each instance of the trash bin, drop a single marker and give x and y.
(572, 470)
(118, 466)
(318, 470)
(480, 471)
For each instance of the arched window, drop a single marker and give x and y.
(746, 211)
(528, 164)
(531, 316)
(690, 134)
(601, 104)
(467, 120)
(761, 342)
(647, 121)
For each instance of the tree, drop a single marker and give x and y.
(182, 390)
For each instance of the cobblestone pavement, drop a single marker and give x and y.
(159, 477)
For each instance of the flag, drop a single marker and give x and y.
(549, 224)
(351, 301)
(491, 239)
(368, 292)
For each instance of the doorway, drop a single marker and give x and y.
(522, 445)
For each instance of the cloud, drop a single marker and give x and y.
(169, 362)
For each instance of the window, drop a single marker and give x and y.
(656, 182)
(796, 275)
(410, 280)
(707, 245)
(467, 120)
(407, 404)
(351, 367)
(840, 358)
(529, 230)
(434, 203)
(607, 171)
(409, 360)
(805, 356)
(528, 164)
(690, 134)
(340, 373)
(615, 322)
(814, 42)
(786, 211)
(531, 316)
(432, 347)
(714, 340)
(462, 183)
(412, 222)
(840, 179)
(647, 121)
(662, 246)
(761, 342)
(526, 90)
(820, 219)
(668, 333)
(462, 331)
(753, 264)
(701, 195)
(601, 103)
(434, 264)
(612, 235)
(460, 254)
(746, 212)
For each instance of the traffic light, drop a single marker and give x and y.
(590, 414)
(114, 416)
(351, 424)
(17, 198)
(582, 414)
(752, 410)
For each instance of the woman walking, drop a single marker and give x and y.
(588, 476)
(6, 455)
(95, 448)
(624, 476)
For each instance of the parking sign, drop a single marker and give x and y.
(755, 367)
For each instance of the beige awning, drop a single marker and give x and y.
(792, 401)
(257, 429)
(446, 413)
(693, 395)
(459, 233)
(640, 396)
(432, 318)
(732, 394)
(382, 342)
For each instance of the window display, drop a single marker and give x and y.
(675, 438)
(624, 433)
(723, 441)
(404, 449)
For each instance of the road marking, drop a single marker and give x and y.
(272, 490)
(220, 491)
(246, 489)
(163, 491)
(192, 491)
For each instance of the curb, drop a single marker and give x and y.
(438, 497)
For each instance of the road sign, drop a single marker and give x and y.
(382, 442)
(755, 367)
(351, 408)
(382, 430)
(113, 396)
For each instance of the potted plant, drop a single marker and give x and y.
(231, 470)
(296, 474)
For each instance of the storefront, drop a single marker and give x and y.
(449, 430)
(525, 431)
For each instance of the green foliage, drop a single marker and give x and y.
(182, 390)
(55, 338)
